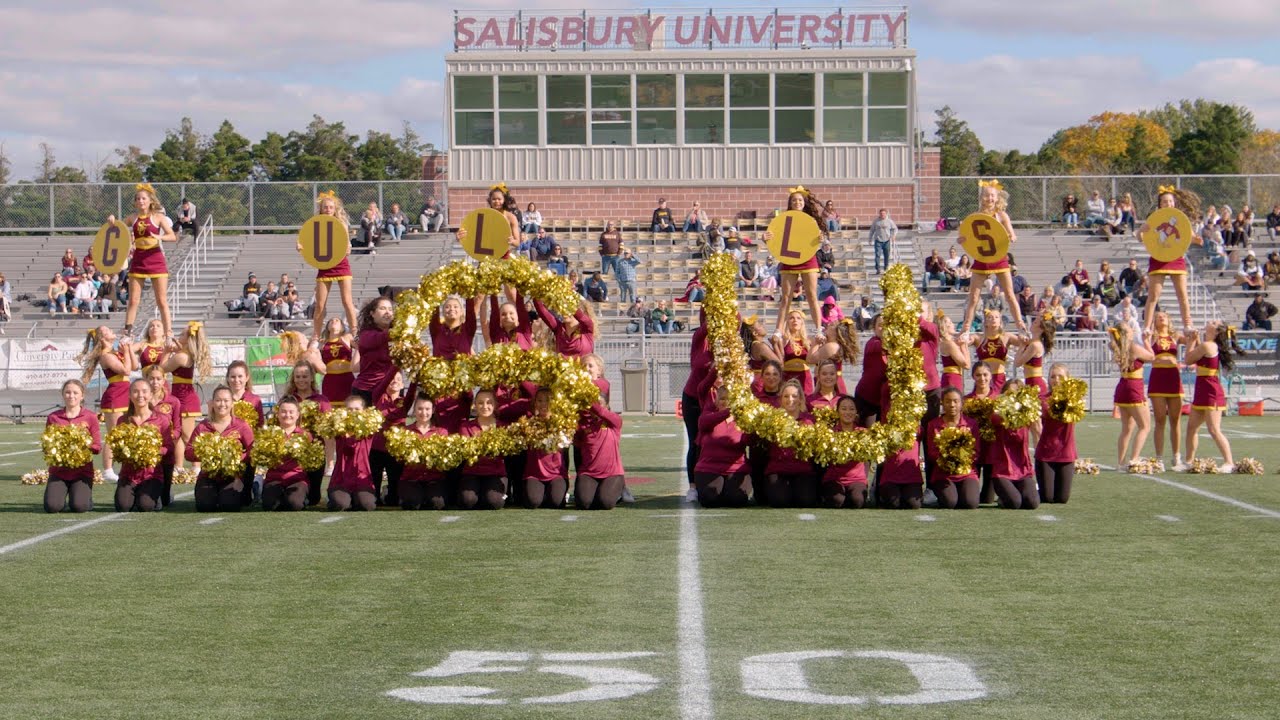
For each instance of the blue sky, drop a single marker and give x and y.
(1015, 71)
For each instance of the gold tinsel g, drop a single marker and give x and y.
(955, 450)
(220, 456)
(136, 445)
(1066, 400)
(66, 446)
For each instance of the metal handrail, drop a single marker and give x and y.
(189, 271)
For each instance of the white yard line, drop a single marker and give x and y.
(333, 519)
(20, 452)
(211, 521)
(691, 633)
(1261, 511)
(1168, 518)
(12, 547)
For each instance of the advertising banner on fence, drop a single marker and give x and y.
(41, 364)
(267, 363)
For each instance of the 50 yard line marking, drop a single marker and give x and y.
(691, 634)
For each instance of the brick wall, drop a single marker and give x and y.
(931, 185)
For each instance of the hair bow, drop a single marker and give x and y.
(990, 183)
(799, 189)
(93, 333)
(1166, 189)
(751, 320)
(846, 321)
(1231, 332)
(500, 186)
(144, 187)
(327, 194)
(194, 325)
(1115, 332)
(1046, 316)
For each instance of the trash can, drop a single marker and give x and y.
(635, 386)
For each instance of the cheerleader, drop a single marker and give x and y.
(166, 403)
(139, 488)
(575, 336)
(1056, 448)
(927, 345)
(372, 364)
(1176, 270)
(420, 486)
(190, 362)
(701, 365)
(453, 330)
(152, 349)
(509, 322)
(721, 476)
(500, 199)
(959, 490)
(221, 494)
(545, 484)
(805, 273)
(301, 386)
(484, 482)
(286, 486)
(241, 386)
(788, 480)
(867, 391)
(994, 201)
(331, 355)
(954, 350)
(1164, 387)
(845, 486)
(982, 390)
(395, 405)
(900, 485)
(328, 203)
(994, 347)
(841, 347)
(1030, 357)
(150, 227)
(351, 486)
(1210, 356)
(1011, 464)
(1135, 420)
(72, 487)
(600, 480)
(794, 349)
(827, 393)
(116, 366)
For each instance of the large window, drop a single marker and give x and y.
(518, 110)
(610, 109)
(749, 109)
(704, 109)
(887, 107)
(656, 109)
(793, 116)
(842, 107)
(473, 110)
(566, 109)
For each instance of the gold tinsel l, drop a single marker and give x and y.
(136, 445)
(1066, 400)
(220, 456)
(66, 446)
(955, 450)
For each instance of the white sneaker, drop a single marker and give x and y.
(1227, 469)
(109, 475)
(1180, 467)
(627, 497)
(692, 495)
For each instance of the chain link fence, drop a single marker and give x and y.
(249, 206)
(1038, 199)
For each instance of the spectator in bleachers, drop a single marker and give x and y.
(186, 220)
(556, 261)
(963, 273)
(1109, 290)
(88, 265)
(716, 242)
(661, 320)
(994, 301)
(1077, 315)
(69, 265)
(576, 281)
(693, 290)
(696, 219)
(627, 275)
(1070, 211)
(6, 301)
(1128, 217)
(1271, 270)
(1130, 276)
(1250, 276)
(268, 299)
(1259, 313)
(85, 297)
(831, 217)
(864, 315)
(610, 247)
(748, 271)
(769, 275)
(827, 288)
(1079, 277)
(1097, 313)
(431, 216)
(595, 288)
(370, 228)
(1242, 229)
(542, 245)
(1127, 313)
(883, 232)
(513, 209)
(1273, 222)
(1140, 293)
(662, 218)
(248, 300)
(1214, 250)
(1095, 210)
(1046, 298)
(396, 223)
(531, 221)
(57, 294)
(1059, 312)
(1019, 282)
(1027, 301)
(935, 268)
(826, 256)
(831, 312)
(639, 315)
(1113, 223)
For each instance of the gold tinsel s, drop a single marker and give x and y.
(220, 456)
(36, 477)
(66, 446)
(955, 450)
(244, 410)
(1249, 466)
(184, 476)
(1203, 466)
(343, 422)
(1086, 466)
(980, 410)
(136, 445)
(1066, 400)
(1020, 408)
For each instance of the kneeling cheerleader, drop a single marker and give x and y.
(484, 482)
(721, 477)
(288, 451)
(788, 480)
(953, 450)
(139, 441)
(421, 487)
(71, 438)
(352, 428)
(1056, 449)
(845, 486)
(1011, 469)
(221, 444)
(545, 483)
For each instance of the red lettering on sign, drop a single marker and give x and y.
(481, 249)
(110, 250)
(787, 252)
(988, 249)
(327, 254)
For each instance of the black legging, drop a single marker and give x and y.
(380, 460)
(284, 497)
(1017, 494)
(962, 495)
(1055, 480)
(590, 493)
(144, 496)
(722, 490)
(57, 492)
(214, 496)
(429, 495)
(538, 494)
(515, 469)
(166, 488)
(341, 500)
(987, 494)
(900, 497)
(315, 479)
(791, 490)
(835, 495)
(246, 485)
(691, 409)
(486, 492)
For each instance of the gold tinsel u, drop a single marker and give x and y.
(66, 446)
(136, 445)
(220, 456)
(1066, 400)
(955, 450)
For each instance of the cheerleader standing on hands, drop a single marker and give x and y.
(1176, 270)
(994, 201)
(1130, 400)
(328, 203)
(150, 227)
(73, 484)
(805, 273)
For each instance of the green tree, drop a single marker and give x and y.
(323, 152)
(269, 158)
(1142, 155)
(961, 149)
(1215, 148)
(5, 166)
(1188, 116)
(178, 157)
(131, 168)
(227, 157)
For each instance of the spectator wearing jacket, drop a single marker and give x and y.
(626, 269)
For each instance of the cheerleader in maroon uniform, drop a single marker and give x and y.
(841, 347)
(871, 383)
(600, 477)
(994, 201)
(150, 227)
(139, 488)
(395, 405)
(954, 351)
(453, 330)
(1011, 463)
(805, 273)
(575, 336)
(72, 484)
(1130, 400)
(756, 344)
(152, 349)
(484, 482)
(827, 393)
(900, 484)
(766, 391)
(958, 490)
(721, 476)
(500, 199)
(372, 364)
(220, 494)
(328, 203)
(1164, 387)
(1210, 356)
(189, 361)
(241, 385)
(285, 486)
(545, 484)
(165, 403)
(351, 485)
(994, 346)
(788, 480)
(422, 488)
(845, 485)
(331, 355)
(509, 323)
(982, 389)
(1030, 357)
(116, 366)
(1176, 270)
(1056, 449)
(701, 364)
(301, 386)
(794, 348)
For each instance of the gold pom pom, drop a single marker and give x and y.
(980, 410)
(1203, 466)
(244, 410)
(136, 445)
(66, 446)
(343, 422)
(36, 477)
(309, 415)
(1086, 466)
(220, 456)
(1020, 408)
(1146, 466)
(955, 450)
(268, 447)
(184, 476)
(1066, 400)
(1249, 466)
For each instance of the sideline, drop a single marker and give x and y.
(1214, 496)
(72, 528)
(691, 646)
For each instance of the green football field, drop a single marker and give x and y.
(1139, 599)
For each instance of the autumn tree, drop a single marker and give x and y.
(1114, 142)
